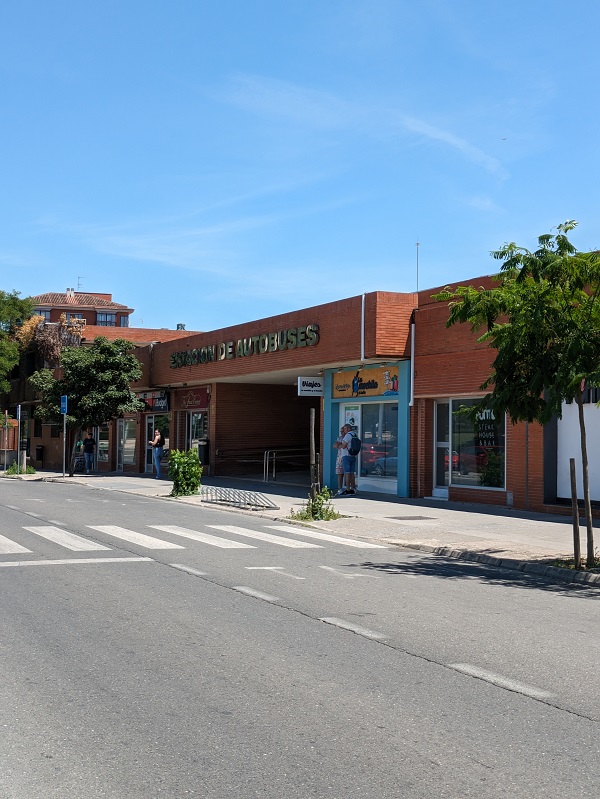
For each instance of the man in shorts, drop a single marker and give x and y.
(348, 461)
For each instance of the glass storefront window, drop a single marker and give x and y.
(129, 429)
(479, 443)
(103, 443)
(379, 426)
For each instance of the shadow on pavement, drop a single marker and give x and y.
(449, 569)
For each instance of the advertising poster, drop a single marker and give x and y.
(378, 382)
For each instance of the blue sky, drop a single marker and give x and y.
(214, 163)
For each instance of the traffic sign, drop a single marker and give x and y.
(63, 403)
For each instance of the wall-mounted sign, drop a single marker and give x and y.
(156, 401)
(377, 382)
(191, 399)
(279, 341)
(310, 386)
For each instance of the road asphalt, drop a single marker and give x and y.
(502, 537)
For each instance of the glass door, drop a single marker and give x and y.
(153, 421)
(441, 457)
(196, 428)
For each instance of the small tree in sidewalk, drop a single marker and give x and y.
(96, 379)
(543, 320)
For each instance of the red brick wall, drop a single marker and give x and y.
(258, 417)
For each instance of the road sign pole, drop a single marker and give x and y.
(18, 439)
(63, 410)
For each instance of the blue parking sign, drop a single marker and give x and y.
(63, 403)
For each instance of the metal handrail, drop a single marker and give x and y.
(271, 456)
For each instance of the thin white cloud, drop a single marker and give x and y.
(320, 110)
(470, 151)
(272, 97)
(484, 204)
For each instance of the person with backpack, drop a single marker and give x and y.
(351, 446)
(157, 444)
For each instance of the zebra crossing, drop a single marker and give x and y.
(222, 536)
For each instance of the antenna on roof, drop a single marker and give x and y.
(417, 245)
(79, 279)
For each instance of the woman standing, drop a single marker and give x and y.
(157, 444)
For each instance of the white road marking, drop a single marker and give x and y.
(271, 539)
(243, 589)
(336, 539)
(500, 681)
(8, 547)
(278, 569)
(73, 561)
(140, 539)
(31, 513)
(349, 576)
(354, 628)
(13, 507)
(64, 539)
(205, 538)
(33, 499)
(187, 569)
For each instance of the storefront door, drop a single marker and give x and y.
(376, 424)
(196, 428)
(441, 456)
(160, 420)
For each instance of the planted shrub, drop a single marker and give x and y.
(185, 471)
(317, 509)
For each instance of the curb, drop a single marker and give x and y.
(531, 567)
(567, 576)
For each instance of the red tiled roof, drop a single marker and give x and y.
(137, 335)
(79, 300)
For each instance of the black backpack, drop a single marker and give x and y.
(355, 446)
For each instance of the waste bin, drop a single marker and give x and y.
(204, 454)
(39, 455)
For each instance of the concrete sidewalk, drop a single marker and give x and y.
(480, 533)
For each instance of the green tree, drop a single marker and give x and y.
(13, 312)
(543, 320)
(96, 379)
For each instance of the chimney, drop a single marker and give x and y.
(70, 295)
(180, 326)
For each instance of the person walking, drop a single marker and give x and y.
(157, 444)
(89, 448)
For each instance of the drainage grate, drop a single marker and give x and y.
(237, 497)
(413, 518)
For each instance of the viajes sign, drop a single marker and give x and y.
(278, 341)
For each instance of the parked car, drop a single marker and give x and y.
(370, 453)
(473, 458)
(386, 467)
(455, 459)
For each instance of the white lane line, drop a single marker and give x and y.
(243, 589)
(271, 539)
(277, 569)
(8, 547)
(146, 541)
(205, 538)
(335, 539)
(187, 569)
(13, 507)
(65, 539)
(500, 681)
(353, 628)
(31, 513)
(72, 561)
(349, 576)
(32, 499)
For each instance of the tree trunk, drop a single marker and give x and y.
(586, 484)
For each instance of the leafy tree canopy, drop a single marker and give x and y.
(543, 319)
(95, 378)
(13, 311)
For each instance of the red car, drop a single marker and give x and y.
(370, 453)
(471, 459)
